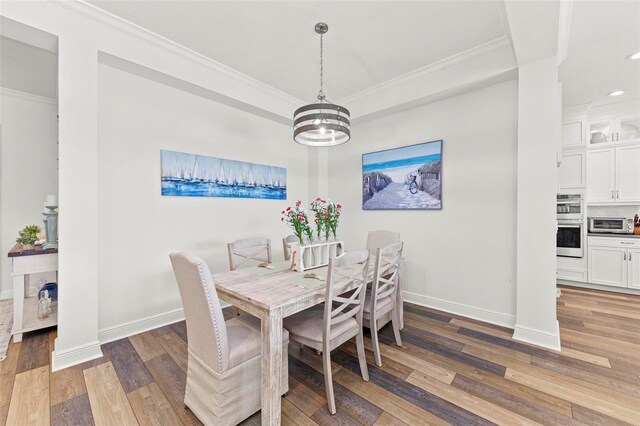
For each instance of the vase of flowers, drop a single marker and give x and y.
(317, 207)
(298, 221)
(333, 218)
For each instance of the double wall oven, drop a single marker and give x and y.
(570, 238)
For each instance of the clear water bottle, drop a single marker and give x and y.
(44, 305)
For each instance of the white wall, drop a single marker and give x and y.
(138, 227)
(462, 258)
(28, 169)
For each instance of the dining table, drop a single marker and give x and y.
(272, 293)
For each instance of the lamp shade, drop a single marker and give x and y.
(321, 124)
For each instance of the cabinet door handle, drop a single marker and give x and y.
(617, 193)
(625, 255)
(629, 256)
(613, 194)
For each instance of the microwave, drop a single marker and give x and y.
(610, 225)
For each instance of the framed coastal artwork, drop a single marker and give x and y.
(192, 175)
(406, 178)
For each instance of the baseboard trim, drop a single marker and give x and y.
(6, 294)
(538, 337)
(577, 284)
(486, 315)
(138, 326)
(61, 359)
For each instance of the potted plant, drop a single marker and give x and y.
(28, 236)
(298, 221)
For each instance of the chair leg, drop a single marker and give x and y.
(374, 341)
(395, 322)
(328, 381)
(236, 311)
(361, 355)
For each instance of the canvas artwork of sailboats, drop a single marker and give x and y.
(192, 175)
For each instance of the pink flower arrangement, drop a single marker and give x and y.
(326, 217)
(298, 221)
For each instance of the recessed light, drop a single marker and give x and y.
(616, 93)
(634, 56)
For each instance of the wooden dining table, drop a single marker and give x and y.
(271, 295)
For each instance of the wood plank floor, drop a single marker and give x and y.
(450, 370)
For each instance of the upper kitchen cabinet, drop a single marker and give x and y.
(613, 175)
(628, 174)
(574, 133)
(601, 131)
(614, 129)
(628, 128)
(571, 172)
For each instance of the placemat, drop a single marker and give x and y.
(299, 279)
(277, 267)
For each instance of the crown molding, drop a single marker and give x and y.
(27, 96)
(116, 23)
(420, 73)
(564, 29)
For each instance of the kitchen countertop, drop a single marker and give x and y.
(596, 234)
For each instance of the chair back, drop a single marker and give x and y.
(286, 248)
(206, 329)
(249, 249)
(385, 273)
(381, 238)
(349, 269)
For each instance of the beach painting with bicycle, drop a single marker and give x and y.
(406, 178)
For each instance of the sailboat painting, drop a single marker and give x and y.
(191, 175)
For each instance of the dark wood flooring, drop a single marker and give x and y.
(450, 370)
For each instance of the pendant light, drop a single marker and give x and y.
(322, 123)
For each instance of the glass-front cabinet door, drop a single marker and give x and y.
(628, 129)
(601, 131)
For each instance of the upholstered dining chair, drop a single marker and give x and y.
(380, 299)
(224, 358)
(326, 327)
(247, 250)
(286, 248)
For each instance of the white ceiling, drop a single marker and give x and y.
(603, 34)
(274, 42)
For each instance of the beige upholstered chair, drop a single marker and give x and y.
(286, 248)
(250, 249)
(380, 299)
(327, 327)
(381, 238)
(224, 358)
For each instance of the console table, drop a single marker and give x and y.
(25, 307)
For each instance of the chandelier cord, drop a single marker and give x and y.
(321, 96)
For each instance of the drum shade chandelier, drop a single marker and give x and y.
(322, 123)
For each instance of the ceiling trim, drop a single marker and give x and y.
(420, 73)
(564, 29)
(114, 22)
(27, 96)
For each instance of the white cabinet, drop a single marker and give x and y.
(574, 134)
(628, 128)
(601, 175)
(614, 261)
(613, 175)
(602, 131)
(628, 173)
(608, 266)
(572, 171)
(614, 129)
(633, 274)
